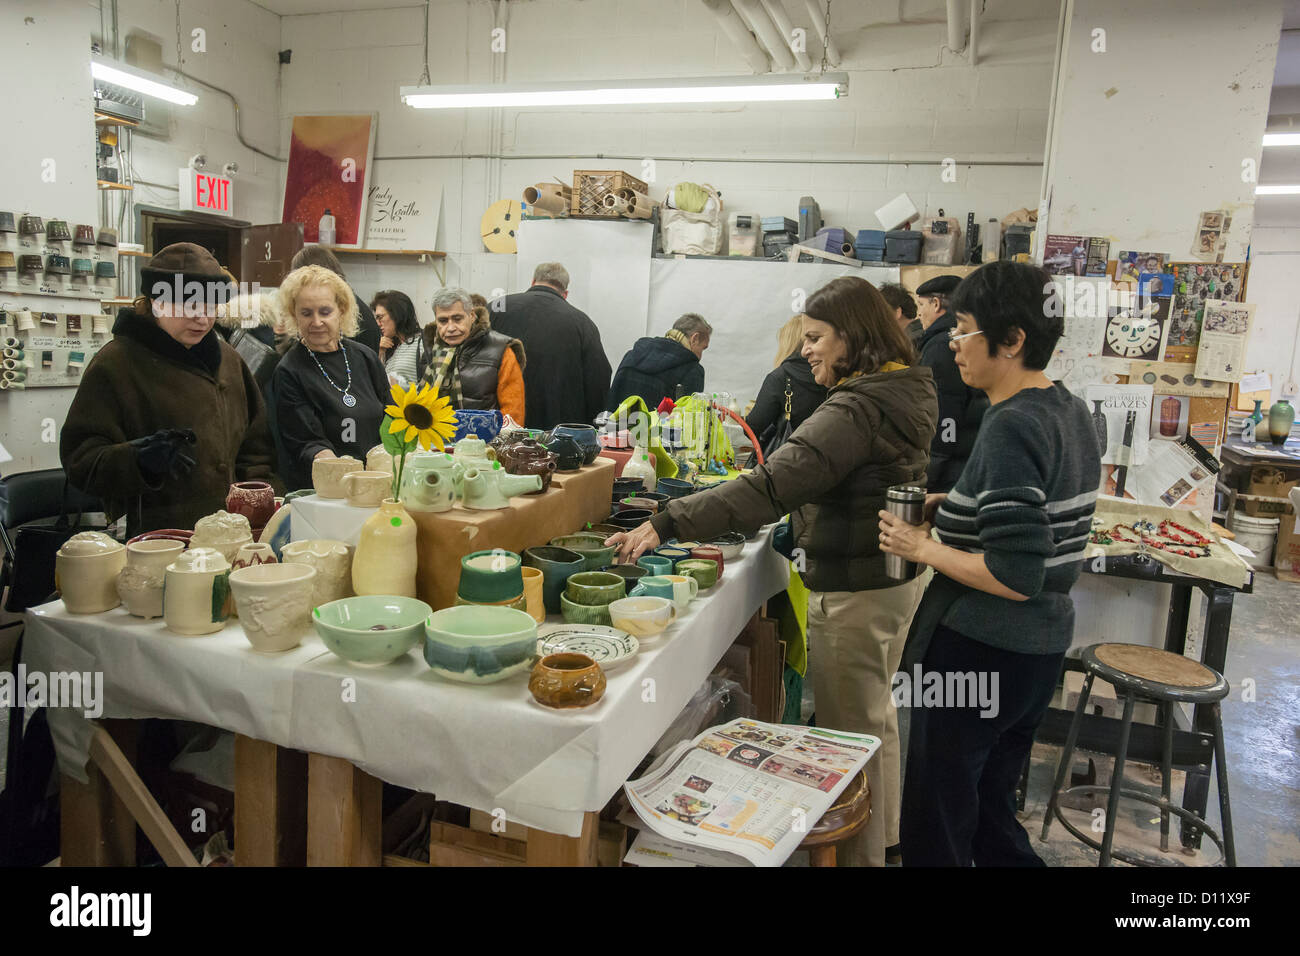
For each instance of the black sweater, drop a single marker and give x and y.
(805, 395)
(310, 412)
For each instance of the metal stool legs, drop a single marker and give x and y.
(1225, 808)
(1117, 780)
(1166, 770)
(1064, 766)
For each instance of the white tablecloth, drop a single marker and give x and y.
(487, 747)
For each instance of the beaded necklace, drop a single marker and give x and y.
(1161, 537)
(348, 399)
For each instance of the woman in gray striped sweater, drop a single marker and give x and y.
(996, 621)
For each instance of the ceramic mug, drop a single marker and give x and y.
(701, 569)
(566, 681)
(709, 552)
(653, 585)
(685, 590)
(275, 604)
(140, 585)
(534, 601)
(327, 475)
(366, 489)
(655, 563)
(594, 588)
(574, 613)
(86, 569)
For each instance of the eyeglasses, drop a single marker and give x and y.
(954, 337)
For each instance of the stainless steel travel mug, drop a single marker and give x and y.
(908, 503)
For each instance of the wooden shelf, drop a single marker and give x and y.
(116, 301)
(104, 184)
(132, 252)
(103, 119)
(349, 251)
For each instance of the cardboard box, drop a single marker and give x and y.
(1267, 492)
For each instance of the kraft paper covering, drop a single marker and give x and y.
(1221, 565)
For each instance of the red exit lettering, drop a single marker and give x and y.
(211, 192)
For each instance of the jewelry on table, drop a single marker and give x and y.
(1157, 537)
(348, 399)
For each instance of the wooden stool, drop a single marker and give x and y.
(1147, 673)
(846, 818)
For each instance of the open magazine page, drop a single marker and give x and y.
(749, 788)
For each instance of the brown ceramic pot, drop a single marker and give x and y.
(567, 681)
(528, 457)
(255, 500)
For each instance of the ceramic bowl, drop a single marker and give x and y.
(491, 577)
(274, 603)
(642, 617)
(584, 435)
(639, 503)
(372, 629)
(566, 681)
(624, 487)
(591, 546)
(594, 588)
(556, 564)
(674, 487)
(701, 569)
(672, 552)
(479, 645)
(165, 534)
(631, 519)
(730, 543)
(604, 530)
(630, 573)
(584, 613)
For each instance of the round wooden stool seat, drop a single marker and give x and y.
(845, 818)
(1152, 672)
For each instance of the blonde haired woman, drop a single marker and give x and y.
(791, 372)
(330, 392)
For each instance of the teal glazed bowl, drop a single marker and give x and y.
(556, 565)
(491, 577)
(371, 629)
(477, 644)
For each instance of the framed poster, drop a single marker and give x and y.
(404, 207)
(330, 160)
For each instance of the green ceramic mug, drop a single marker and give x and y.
(701, 569)
(594, 588)
(655, 563)
(584, 613)
(685, 589)
(653, 586)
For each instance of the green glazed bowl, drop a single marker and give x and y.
(479, 644)
(591, 546)
(701, 569)
(584, 614)
(594, 588)
(371, 629)
(490, 577)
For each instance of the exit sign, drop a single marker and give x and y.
(205, 192)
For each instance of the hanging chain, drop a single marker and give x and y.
(178, 36)
(826, 35)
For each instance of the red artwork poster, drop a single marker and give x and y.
(329, 169)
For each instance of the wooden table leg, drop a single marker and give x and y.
(344, 814)
(766, 665)
(270, 804)
(551, 849)
(95, 827)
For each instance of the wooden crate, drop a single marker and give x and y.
(591, 186)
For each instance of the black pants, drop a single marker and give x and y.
(959, 793)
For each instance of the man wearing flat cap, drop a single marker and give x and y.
(960, 407)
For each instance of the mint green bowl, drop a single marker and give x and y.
(371, 629)
(479, 644)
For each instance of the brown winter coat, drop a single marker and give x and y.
(143, 381)
(872, 432)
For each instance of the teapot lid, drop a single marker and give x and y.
(87, 543)
(222, 526)
(199, 560)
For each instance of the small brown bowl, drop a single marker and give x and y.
(567, 681)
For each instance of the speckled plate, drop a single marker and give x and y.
(607, 646)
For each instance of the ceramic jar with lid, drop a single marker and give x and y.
(140, 585)
(224, 532)
(196, 592)
(385, 560)
(86, 570)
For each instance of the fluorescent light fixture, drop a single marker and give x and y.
(1282, 139)
(713, 89)
(139, 82)
(1292, 189)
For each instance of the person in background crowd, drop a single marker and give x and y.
(1011, 537)
(664, 367)
(167, 415)
(960, 406)
(791, 371)
(401, 346)
(872, 432)
(567, 379)
(330, 392)
(904, 306)
(253, 318)
(472, 364)
(367, 330)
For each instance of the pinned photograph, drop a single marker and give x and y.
(1130, 265)
(1066, 255)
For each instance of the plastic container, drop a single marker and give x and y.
(325, 229)
(1257, 534)
(743, 234)
(942, 243)
(903, 245)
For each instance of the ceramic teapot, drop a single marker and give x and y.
(430, 481)
(473, 448)
(528, 457)
(488, 489)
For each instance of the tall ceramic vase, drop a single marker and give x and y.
(385, 558)
(1280, 418)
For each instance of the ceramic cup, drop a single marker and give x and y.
(556, 565)
(653, 585)
(637, 503)
(674, 487)
(630, 573)
(490, 577)
(140, 585)
(534, 600)
(332, 561)
(86, 570)
(366, 489)
(327, 475)
(642, 617)
(672, 553)
(631, 519)
(709, 552)
(703, 571)
(196, 592)
(566, 681)
(625, 487)
(685, 590)
(591, 546)
(250, 554)
(275, 603)
(655, 563)
(584, 613)
(594, 588)
(378, 459)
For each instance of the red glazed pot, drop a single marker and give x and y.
(708, 552)
(170, 534)
(255, 500)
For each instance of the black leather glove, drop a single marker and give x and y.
(164, 455)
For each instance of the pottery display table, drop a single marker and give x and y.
(574, 499)
(488, 747)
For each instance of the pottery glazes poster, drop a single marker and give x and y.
(330, 159)
(1121, 414)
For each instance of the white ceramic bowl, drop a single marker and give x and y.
(642, 617)
(274, 602)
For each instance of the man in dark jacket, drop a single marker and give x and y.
(664, 367)
(960, 407)
(567, 376)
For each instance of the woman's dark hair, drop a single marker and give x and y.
(860, 315)
(401, 310)
(1004, 296)
(314, 255)
(899, 298)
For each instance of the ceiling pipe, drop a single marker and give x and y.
(739, 34)
(974, 32)
(956, 27)
(776, 10)
(818, 14)
(768, 36)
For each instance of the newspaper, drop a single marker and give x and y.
(749, 788)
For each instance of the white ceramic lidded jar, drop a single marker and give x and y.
(196, 592)
(386, 555)
(86, 570)
(140, 585)
(223, 531)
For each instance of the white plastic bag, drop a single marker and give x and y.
(693, 233)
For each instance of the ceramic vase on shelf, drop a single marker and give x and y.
(1280, 418)
(385, 559)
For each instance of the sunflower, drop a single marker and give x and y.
(423, 417)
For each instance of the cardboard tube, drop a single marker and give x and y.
(640, 206)
(846, 249)
(549, 198)
(617, 204)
